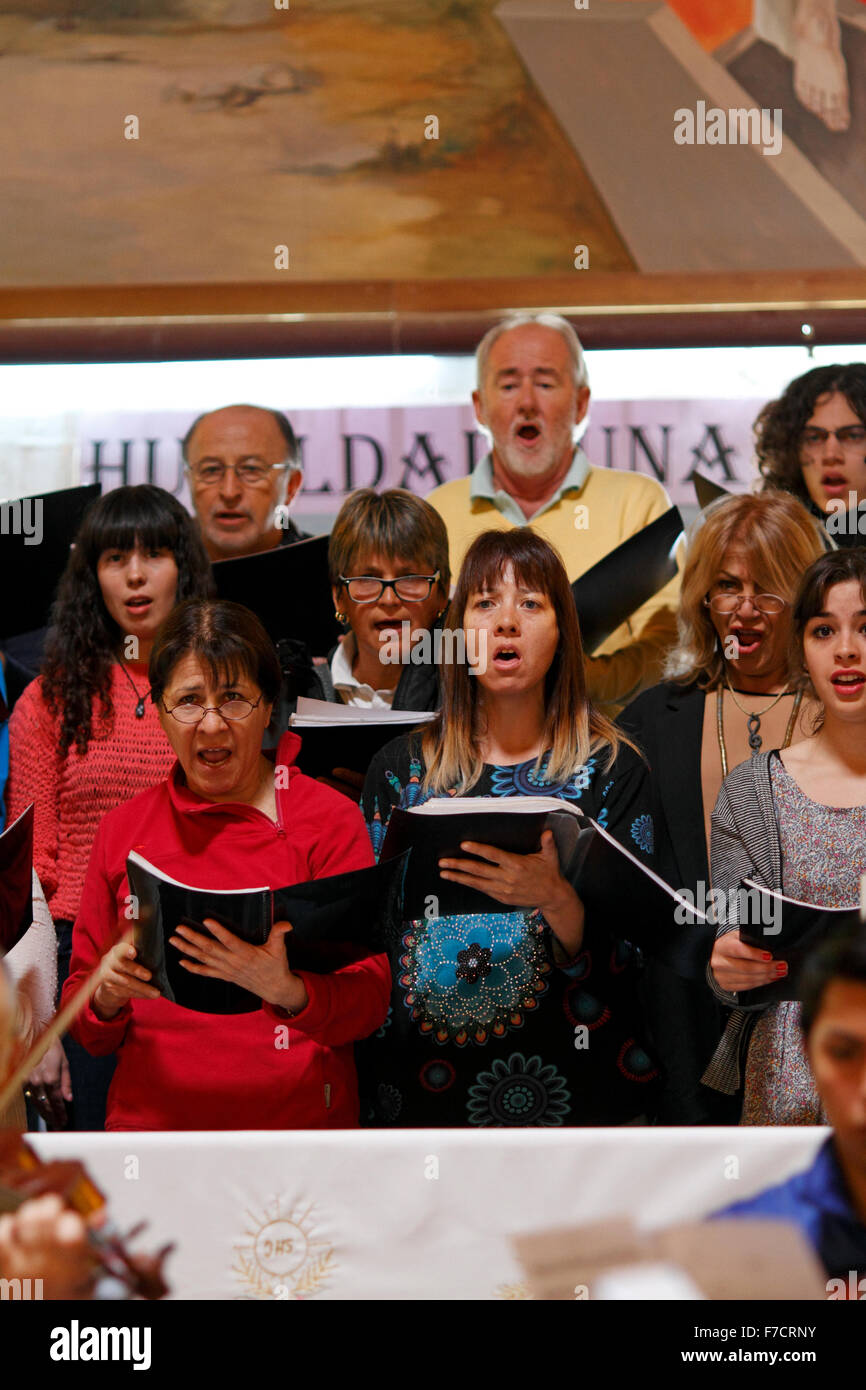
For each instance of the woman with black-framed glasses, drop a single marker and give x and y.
(388, 562)
(227, 816)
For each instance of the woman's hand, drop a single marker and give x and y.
(263, 970)
(736, 966)
(123, 980)
(51, 1086)
(45, 1240)
(524, 880)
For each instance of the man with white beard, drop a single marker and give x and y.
(532, 393)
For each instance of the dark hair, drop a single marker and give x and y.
(836, 567)
(841, 958)
(84, 639)
(227, 637)
(779, 427)
(280, 420)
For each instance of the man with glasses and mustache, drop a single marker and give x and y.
(244, 472)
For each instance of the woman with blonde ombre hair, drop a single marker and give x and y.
(527, 1015)
(727, 696)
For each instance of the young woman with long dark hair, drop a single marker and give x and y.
(84, 737)
(527, 1015)
(795, 820)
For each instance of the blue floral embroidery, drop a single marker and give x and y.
(523, 780)
(390, 1102)
(521, 1091)
(642, 833)
(634, 1063)
(606, 788)
(389, 1018)
(472, 975)
(412, 794)
(376, 829)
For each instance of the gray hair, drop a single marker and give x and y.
(554, 321)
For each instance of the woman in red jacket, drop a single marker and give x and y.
(220, 820)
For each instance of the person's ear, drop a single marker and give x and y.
(337, 596)
(295, 479)
(478, 405)
(583, 394)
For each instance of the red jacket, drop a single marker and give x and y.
(178, 1069)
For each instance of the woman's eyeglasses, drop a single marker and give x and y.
(769, 604)
(411, 588)
(231, 710)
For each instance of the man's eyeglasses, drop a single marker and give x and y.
(209, 474)
(849, 437)
(232, 710)
(769, 604)
(411, 588)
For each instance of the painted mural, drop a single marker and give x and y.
(187, 141)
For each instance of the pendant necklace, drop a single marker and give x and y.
(754, 721)
(139, 708)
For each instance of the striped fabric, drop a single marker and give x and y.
(744, 843)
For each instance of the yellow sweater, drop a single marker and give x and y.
(585, 525)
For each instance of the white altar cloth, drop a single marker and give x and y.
(414, 1214)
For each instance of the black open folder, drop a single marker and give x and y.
(635, 904)
(335, 920)
(790, 930)
(622, 896)
(16, 880)
(436, 829)
(30, 573)
(609, 593)
(289, 591)
(342, 736)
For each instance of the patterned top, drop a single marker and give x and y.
(485, 1028)
(823, 847)
(125, 756)
(766, 829)
(823, 854)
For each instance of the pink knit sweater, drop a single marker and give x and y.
(73, 794)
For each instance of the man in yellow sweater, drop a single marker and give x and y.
(532, 393)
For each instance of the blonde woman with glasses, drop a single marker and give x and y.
(727, 697)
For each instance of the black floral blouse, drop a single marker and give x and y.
(484, 1027)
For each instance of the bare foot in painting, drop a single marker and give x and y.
(820, 76)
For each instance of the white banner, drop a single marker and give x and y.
(419, 447)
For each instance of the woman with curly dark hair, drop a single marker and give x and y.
(812, 442)
(83, 736)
